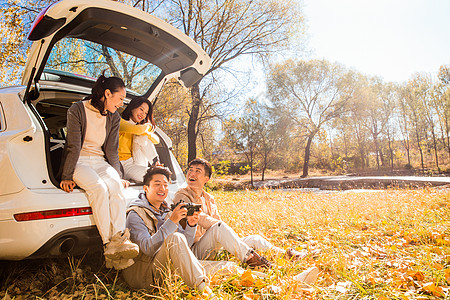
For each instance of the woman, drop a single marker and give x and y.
(91, 161)
(137, 138)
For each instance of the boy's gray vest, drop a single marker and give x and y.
(139, 275)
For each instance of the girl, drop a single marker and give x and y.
(91, 161)
(136, 139)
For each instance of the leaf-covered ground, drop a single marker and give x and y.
(392, 244)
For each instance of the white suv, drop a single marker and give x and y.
(73, 42)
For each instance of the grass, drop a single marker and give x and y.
(392, 244)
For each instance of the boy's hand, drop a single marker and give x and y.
(193, 220)
(178, 213)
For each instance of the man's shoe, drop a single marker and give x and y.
(294, 255)
(307, 277)
(258, 261)
(119, 264)
(120, 246)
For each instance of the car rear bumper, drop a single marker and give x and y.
(74, 241)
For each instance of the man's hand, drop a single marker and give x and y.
(193, 220)
(178, 213)
(67, 185)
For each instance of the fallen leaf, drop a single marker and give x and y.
(247, 278)
(343, 287)
(417, 275)
(447, 275)
(432, 288)
(274, 289)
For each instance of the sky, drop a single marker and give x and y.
(392, 39)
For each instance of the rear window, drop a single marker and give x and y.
(87, 60)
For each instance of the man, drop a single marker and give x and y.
(162, 241)
(198, 174)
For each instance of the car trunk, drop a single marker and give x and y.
(52, 105)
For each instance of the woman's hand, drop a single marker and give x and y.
(125, 183)
(67, 185)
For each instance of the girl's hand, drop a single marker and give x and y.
(67, 185)
(125, 183)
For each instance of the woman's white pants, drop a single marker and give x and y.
(104, 189)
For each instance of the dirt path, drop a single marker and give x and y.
(342, 182)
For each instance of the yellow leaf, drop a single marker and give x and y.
(438, 266)
(432, 288)
(383, 298)
(247, 278)
(429, 286)
(417, 275)
(447, 275)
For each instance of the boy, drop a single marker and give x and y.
(197, 176)
(162, 241)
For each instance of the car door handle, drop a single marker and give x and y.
(27, 138)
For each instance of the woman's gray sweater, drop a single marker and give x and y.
(76, 132)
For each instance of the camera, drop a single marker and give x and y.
(191, 207)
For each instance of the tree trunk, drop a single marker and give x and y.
(377, 151)
(251, 167)
(435, 151)
(420, 151)
(193, 122)
(264, 166)
(307, 154)
(391, 153)
(407, 152)
(448, 139)
(382, 158)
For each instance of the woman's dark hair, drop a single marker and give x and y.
(156, 170)
(135, 103)
(98, 91)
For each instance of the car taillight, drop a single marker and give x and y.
(52, 214)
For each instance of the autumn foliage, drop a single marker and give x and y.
(392, 244)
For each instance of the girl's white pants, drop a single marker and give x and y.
(143, 151)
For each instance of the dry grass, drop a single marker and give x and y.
(393, 244)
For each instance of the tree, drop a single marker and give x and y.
(171, 116)
(269, 137)
(416, 116)
(404, 121)
(441, 103)
(15, 20)
(380, 106)
(422, 86)
(226, 30)
(242, 134)
(358, 117)
(309, 94)
(389, 97)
